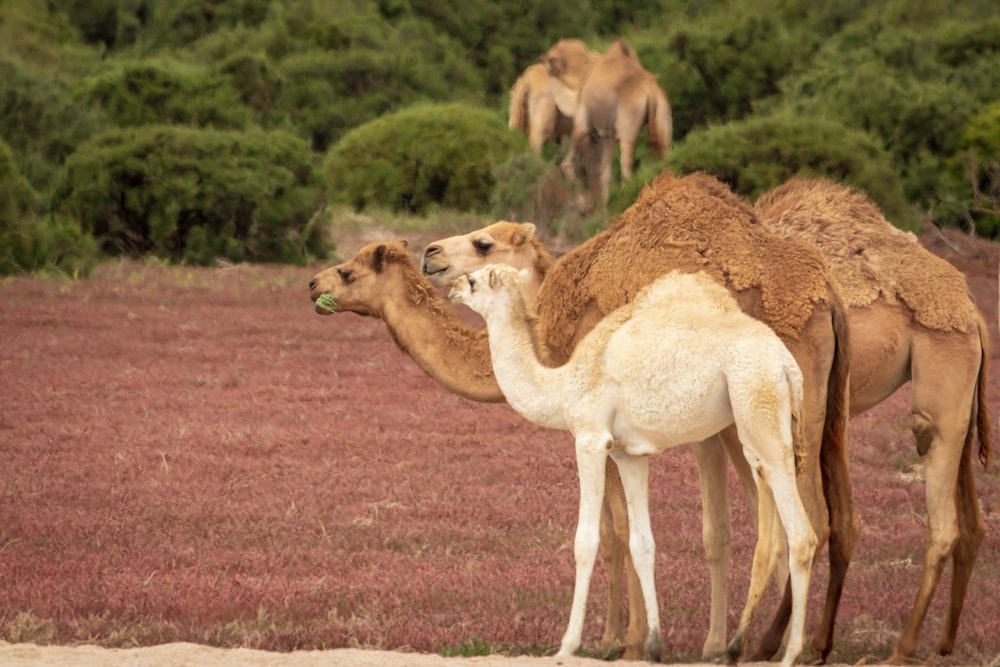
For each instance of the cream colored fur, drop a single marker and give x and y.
(678, 364)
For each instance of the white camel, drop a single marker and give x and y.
(677, 365)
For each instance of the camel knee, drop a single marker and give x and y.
(923, 432)
(718, 543)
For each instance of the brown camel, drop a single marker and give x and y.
(694, 224)
(909, 313)
(533, 109)
(912, 320)
(617, 97)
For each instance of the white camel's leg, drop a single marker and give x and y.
(717, 536)
(802, 543)
(634, 471)
(591, 458)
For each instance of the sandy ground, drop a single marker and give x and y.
(192, 655)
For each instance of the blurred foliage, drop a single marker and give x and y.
(196, 195)
(757, 154)
(907, 81)
(30, 241)
(422, 157)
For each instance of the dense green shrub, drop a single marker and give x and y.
(31, 242)
(757, 154)
(426, 155)
(41, 119)
(970, 195)
(166, 91)
(194, 195)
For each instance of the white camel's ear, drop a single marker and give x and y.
(524, 277)
(524, 233)
(494, 278)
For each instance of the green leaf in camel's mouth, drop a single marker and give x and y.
(327, 302)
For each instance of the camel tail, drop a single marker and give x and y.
(518, 117)
(980, 411)
(659, 118)
(837, 397)
(799, 445)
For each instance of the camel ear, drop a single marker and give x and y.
(379, 258)
(494, 279)
(554, 65)
(524, 233)
(524, 277)
(404, 243)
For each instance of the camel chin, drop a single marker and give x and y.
(439, 276)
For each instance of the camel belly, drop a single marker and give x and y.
(643, 433)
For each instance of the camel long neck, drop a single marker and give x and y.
(531, 388)
(451, 352)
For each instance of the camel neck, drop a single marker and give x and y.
(531, 388)
(451, 352)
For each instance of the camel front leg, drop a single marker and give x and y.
(717, 537)
(591, 457)
(634, 472)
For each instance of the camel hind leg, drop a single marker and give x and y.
(634, 471)
(941, 425)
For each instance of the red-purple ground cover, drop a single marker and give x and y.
(193, 454)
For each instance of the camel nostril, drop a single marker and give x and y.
(431, 250)
(312, 284)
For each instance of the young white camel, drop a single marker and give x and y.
(677, 365)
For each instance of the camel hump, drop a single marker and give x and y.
(871, 258)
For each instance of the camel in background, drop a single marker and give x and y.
(533, 109)
(677, 364)
(616, 97)
(909, 312)
(692, 224)
(912, 320)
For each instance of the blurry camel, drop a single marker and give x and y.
(679, 363)
(616, 97)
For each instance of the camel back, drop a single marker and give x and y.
(692, 224)
(869, 257)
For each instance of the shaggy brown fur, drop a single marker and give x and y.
(673, 224)
(868, 255)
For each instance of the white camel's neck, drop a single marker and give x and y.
(532, 389)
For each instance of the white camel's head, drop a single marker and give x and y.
(490, 287)
(502, 242)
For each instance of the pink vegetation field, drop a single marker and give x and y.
(192, 455)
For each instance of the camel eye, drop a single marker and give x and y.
(346, 275)
(472, 284)
(482, 246)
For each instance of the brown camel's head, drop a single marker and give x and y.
(357, 285)
(503, 242)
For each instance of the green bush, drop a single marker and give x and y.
(970, 193)
(166, 91)
(194, 195)
(757, 154)
(42, 119)
(426, 155)
(30, 242)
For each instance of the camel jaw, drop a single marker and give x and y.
(435, 274)
(326, 304)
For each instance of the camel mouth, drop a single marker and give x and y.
(326, 304)
(435, 273)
